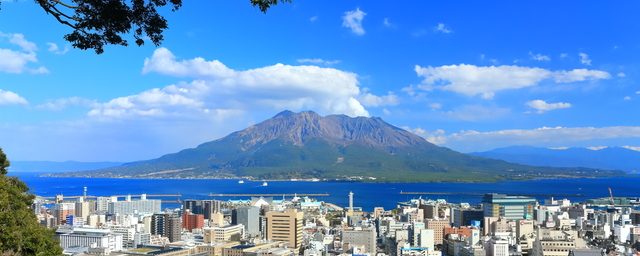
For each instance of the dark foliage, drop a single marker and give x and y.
(20, 232)
(97, 23)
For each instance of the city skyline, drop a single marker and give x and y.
(471, 76)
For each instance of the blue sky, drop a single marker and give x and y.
(467, 75)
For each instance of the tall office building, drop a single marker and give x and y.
(167, 225)
(465, 217)
(204, 207)
(62, 210)
(249, 217)
(509, 207)
(438, 227)
(285, 227)
(192, 221)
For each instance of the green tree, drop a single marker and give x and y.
(97, 23)
(20, 232)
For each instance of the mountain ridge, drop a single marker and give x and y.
(307, 145)
(612, 158)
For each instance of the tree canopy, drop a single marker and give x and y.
(97, 23)
(20, 232)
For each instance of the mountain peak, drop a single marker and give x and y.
(298, 128)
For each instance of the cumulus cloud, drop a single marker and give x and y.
(539, 57)
(584, 59)
(542, 106)
(17, 61)
(11, 98)
(442, 28)
(318, 61)
(353, 21)
(437, 136)
(472, 140)
(485, 81)
(55, 49)
(370, 100)
(218, 87)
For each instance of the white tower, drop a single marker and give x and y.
(351, 201)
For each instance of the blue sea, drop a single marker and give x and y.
(367, 195)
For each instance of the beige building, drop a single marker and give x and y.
(223, 234)
(285, 227)
(438, 229)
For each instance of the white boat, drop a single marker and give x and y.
(264, 184)
(241, 182)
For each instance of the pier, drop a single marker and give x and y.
(481, 194)
(268, 195)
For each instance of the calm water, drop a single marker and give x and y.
(367, 195)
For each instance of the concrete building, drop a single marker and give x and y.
(285, 227)
(142, 206)
(509, 207)
(249, 217)
(363, 237)
(223, 234)
(192, 221)
(438, 227)
(465, 217)
(167, 225)
(204, 207)
(62, 210)
(497, 247)
(89, 237)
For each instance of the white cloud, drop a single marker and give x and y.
(11, 98)
(317, 61)
(63, 103)
(55, 49)
(388, 23)
(584, 59)
(216, 86)
(542, 106)
(596, 148)
(621, 74)
(627, 98)
(353, 20)
(442, 28)
(485, 81)
(313, 18)
(17, 61)
(436, 136)
(539, 57)
(564, 55)
(634, 148)
(370, 100)
(472, 140)
(638, 92)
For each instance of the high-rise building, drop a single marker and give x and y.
(204, 207)
(249, 217)
(167, 225)
(465, 217)
(438, 227)
(192, 221)
(286, 227)
(509, 207)
(62, 210)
